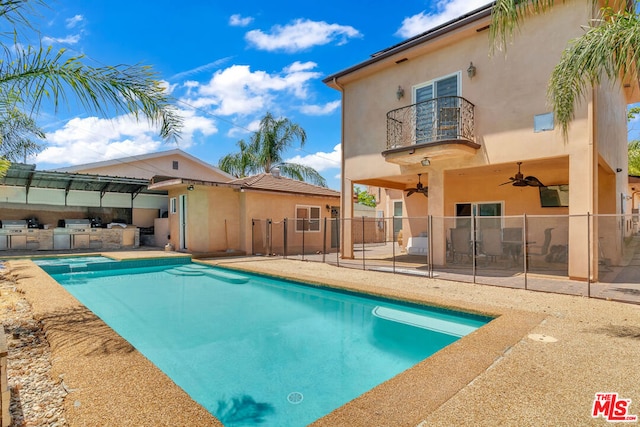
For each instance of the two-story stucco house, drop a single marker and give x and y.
(476, 129)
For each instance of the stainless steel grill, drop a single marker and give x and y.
(13, 234)
(72, 234)
(77, 225)
(14, 225)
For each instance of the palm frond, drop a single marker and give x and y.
(610, 49)
(18, 135)
(43, 73)
(302, 173)
(507, 17)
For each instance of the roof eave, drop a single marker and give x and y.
(431, 34)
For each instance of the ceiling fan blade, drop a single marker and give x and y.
(533, 181)
(410, 192)
(425, 192)
(508, 182)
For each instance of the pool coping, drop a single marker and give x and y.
(108, 376)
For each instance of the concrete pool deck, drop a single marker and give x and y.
(510, 372)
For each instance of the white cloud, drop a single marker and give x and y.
(93, 139)
(446, 10)
(320, 161)
(70, 39)
(74, 21)
(300, 35)
(238, 90)
(238, 21)
(321, 110)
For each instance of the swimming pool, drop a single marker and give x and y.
(254, 350)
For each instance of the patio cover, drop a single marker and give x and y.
(23, 175)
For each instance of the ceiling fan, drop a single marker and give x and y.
(519, 180)
(419, 188)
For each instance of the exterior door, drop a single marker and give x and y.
(397, 219)
(183, 221)
(437, 109)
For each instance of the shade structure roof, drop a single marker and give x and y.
(23, 175)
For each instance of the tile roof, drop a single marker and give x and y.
(269, 182)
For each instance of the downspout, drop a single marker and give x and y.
(342, 169)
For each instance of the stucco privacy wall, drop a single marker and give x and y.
(277, 206)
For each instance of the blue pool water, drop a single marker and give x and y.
(71, 261)
(254, 350)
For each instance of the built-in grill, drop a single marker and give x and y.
(13, 234)
(77, 225)
(72, 234)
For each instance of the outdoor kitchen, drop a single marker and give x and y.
(49, 210)
(71, 233)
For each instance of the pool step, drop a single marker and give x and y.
(425, 321)
(201, 270)
(178, 271)
(227, 277)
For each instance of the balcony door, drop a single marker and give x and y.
(437, 109)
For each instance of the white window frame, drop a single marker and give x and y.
(414, 93)
(417, 87)
(312, 223)
(475, 209)
(173, 205)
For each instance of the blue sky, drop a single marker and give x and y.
(226, 63)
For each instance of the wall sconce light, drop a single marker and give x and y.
(328, 207)
(471, 71)
(425, 162)
(619, 170)
(190, 188)
(412, 150)
(400, 93)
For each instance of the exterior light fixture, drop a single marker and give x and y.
(190, 188)
(425, 162)
(400, 93)
(618, 170)
(471, 71)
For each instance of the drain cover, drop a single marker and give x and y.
(295, 397)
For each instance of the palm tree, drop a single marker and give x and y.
(264, 152)
(609, 47)
(29, 75)
(18, 135)
(239, 164)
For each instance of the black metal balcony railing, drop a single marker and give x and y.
(448, 118)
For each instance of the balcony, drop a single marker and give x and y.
(438, 128)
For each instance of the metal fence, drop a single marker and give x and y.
(527, 251)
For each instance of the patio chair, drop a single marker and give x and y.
(461, 243)
(492, 244)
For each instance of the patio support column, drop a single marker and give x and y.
(583, 199)
(346, 236)
(436, 210)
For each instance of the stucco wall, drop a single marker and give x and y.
(263, 205)
(149, 167)
(507, 93)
